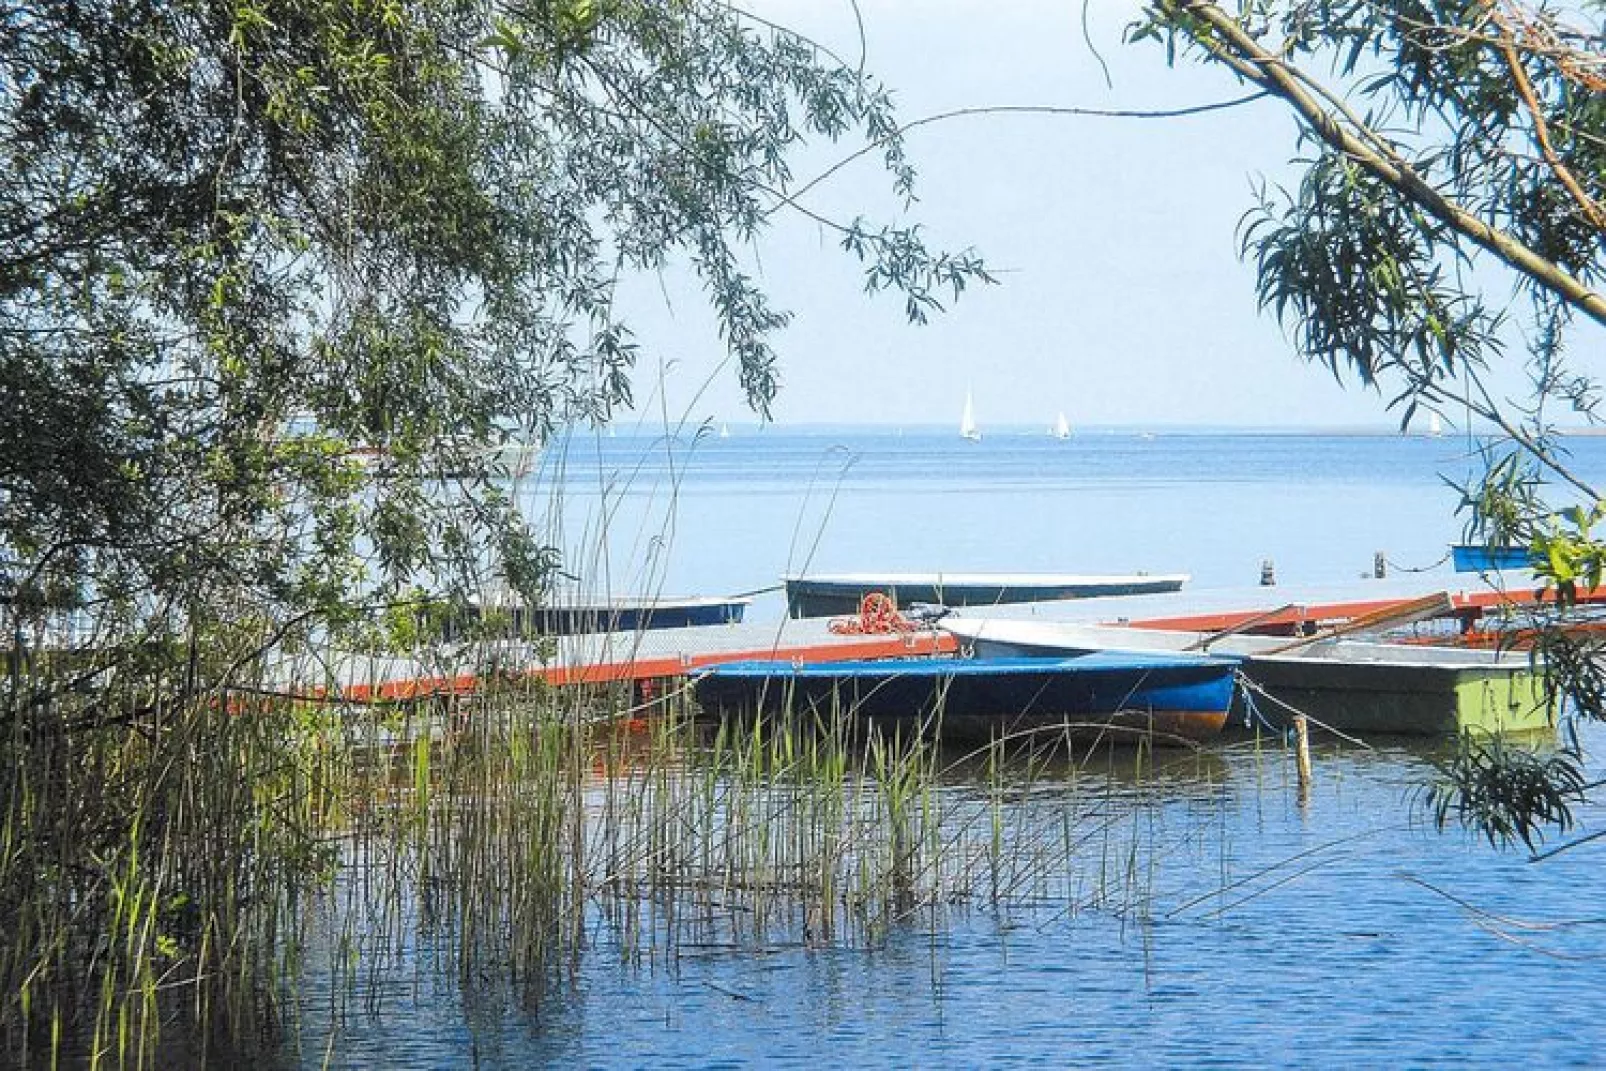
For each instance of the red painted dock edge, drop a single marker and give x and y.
(893, 646)
(641, 669)
(1468, 607)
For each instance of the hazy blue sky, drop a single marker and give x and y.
(1122, 299)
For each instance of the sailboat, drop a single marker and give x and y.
(967, 422)
(1435, 428)
(1062, 428)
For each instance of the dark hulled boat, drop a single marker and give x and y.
(1165, 695)
(822, 595)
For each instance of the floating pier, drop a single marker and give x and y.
(659, 654)
(613, 657)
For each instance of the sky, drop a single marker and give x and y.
(1122, 299)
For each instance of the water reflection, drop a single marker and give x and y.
(1234, 927)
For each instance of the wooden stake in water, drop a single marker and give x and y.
(1302, 756)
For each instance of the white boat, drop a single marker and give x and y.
(1062, 428)
(967, 422)
(1435, 426)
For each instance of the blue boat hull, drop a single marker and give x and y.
(1161, 695)
(1477, 558)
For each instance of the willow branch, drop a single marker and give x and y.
(1231, 44)
(1014, 109)
(1483, 405)
(1525, 90)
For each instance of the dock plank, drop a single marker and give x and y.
(601, 658)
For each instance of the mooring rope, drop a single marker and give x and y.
(1252, 712)
(1250, 685)
(1397, 567)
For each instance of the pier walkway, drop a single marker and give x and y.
(656, 654)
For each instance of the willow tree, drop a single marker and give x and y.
(1448, 220)
(247, 245)
(277, 280)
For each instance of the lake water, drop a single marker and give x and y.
(1255, 930)
(717, 516)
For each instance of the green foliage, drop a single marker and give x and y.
(1503, 506)
(279, 282)
(1355, 276)
(270, 269)
(1507, 793)
(1454, 149)
(1575, 675)
(1570, 556)
(1431, 167)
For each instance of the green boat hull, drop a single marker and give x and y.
(1355, 687)
(1407, 700)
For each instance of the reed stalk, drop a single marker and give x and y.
(172, 870)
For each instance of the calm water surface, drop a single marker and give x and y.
(708, 515)
(1253, 931)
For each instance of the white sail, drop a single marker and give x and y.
(1062, 428)
(967, 422)
(1435, 428)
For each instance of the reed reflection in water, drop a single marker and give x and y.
(1124, 906)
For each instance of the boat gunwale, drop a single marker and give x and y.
(1320, 652)
(939, 666)
(983, 579)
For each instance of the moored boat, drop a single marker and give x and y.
(824, 594)
(1349, 685)
(1163, 695)
(1479, 557)
(615, 614)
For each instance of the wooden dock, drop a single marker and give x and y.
(1287, 607)
(603, 658)
(658, 654)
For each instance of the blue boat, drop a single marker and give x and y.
(1479, 558)
(1163, 695)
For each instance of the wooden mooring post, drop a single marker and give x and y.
(1302, 756)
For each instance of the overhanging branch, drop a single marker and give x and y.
(1232, 45)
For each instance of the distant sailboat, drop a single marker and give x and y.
(1062, 428)
(967, 422)
(724, 431)
(1435, 428)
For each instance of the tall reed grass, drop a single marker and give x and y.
(170, 873)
